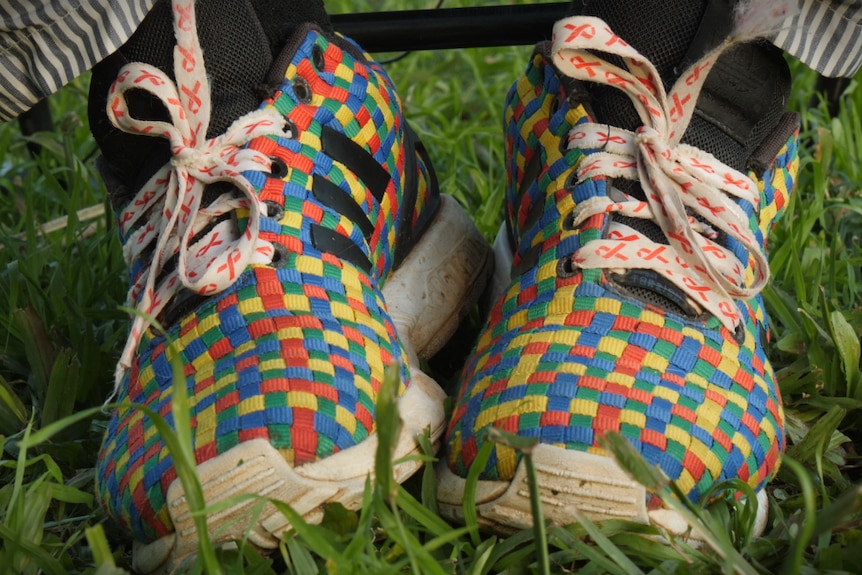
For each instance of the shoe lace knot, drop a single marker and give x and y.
(697, 202)
(169, 219)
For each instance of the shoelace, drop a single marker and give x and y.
(690, 194)
(166, 216)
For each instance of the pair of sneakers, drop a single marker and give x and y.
(296, 253)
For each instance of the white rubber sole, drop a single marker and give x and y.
(571, 483)
(441, 278)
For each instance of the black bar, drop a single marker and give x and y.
(451, 27)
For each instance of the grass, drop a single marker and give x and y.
(61, 329)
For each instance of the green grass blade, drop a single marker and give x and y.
(841, 510)
(482, 556)
(847, 343)
(388, 424)
(525, 445)
(300, 558)
(62, 388)
(471, 515)
(625, 565)
(421, 514)
(180, 444)
(317, 539)
(35, 553)
(806, 528)
(99, 546)
(13, 413)
(416, 553)
(714, 536)
(429, 476)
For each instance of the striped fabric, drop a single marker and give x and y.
(826, 35)
(47, 43)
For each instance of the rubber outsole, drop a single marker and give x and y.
(571, 484)
(435, 287)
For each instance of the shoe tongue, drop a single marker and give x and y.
(741, 103)
(744, 96)
(661, 30)
(239, 39)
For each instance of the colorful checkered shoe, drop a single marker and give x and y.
(634, 311)
(291, 261)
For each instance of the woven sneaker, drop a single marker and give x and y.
(633, 307)
(291, 260)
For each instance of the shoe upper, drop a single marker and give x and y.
(592, 336)
(292, 344)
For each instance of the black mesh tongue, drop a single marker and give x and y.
(741, 103)
(661, 30)
(238, 38)
(744, 96)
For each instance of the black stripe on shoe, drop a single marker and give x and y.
(339, 200)
(342, 247)
(342, 149)
(408, 232)
(358, 160)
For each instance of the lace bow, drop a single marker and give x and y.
(693, 198)
(167, 216)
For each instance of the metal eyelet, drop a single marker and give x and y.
(568, 224)
(317, 58)
(564, 144)
(555, 105)
(739, 334)
(566, 268)
(302, 90)
(280, 256)
(278, 169)
(273, 210)
(571, 181)
(291, 127)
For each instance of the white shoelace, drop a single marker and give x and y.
(690, 194)
(166, 215)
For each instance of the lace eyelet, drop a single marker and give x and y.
(280, 256)
(273, 210)
(564, 144)
(302, 90)
(568, 224)
(291, 127)
(279, 169)
(566, 268)
(317, 58)
(555, 105)
(571, 181)
(739, 334)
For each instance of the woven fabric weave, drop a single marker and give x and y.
(568, 354)
(293, 352)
